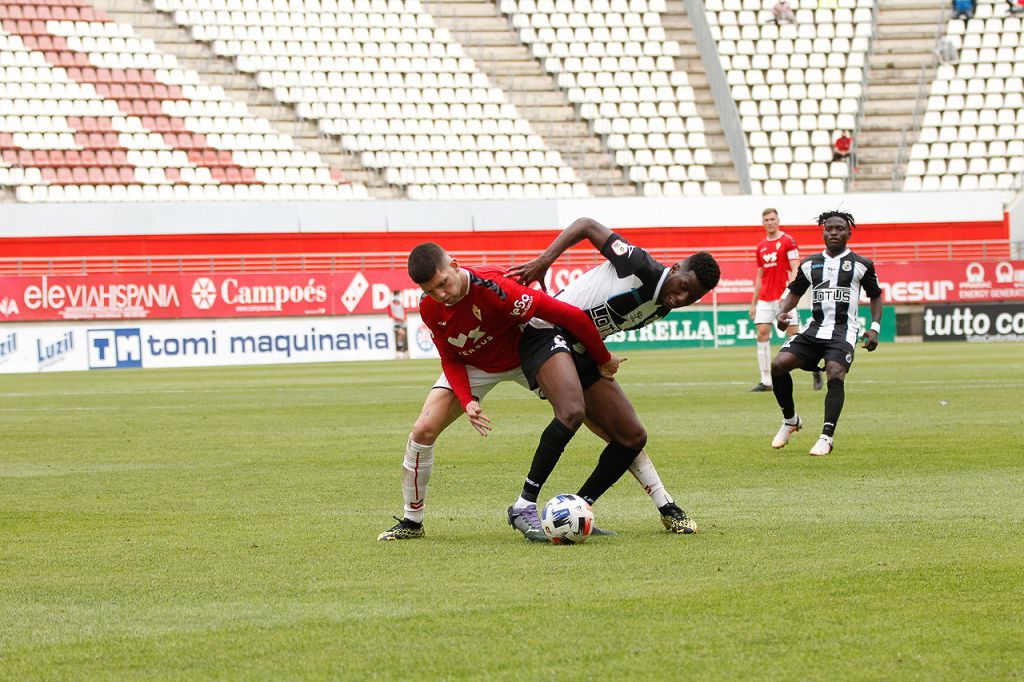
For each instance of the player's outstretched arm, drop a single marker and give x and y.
(788, 303)
(583, 228)
(871, 335)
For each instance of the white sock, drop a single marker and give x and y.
(643, 469)
(764, 361)
(792, 420)
(419, 461)
(523, 503)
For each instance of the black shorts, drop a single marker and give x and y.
(538, 345)
(812, 350)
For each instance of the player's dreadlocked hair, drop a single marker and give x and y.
(836, 214)
(424, 262)
(705, 267)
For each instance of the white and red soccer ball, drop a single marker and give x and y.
(567, 519)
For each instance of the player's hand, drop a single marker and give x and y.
(530, 272)
(609, 368)
(480, 421)
(870, 340)
(752, 313)
(782, 322)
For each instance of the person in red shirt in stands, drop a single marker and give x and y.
(777, 261)
(841, 148)
(475, 318)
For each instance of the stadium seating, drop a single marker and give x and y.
(89, 111)
(972, 133)
(614, 62)
(394, 87)
(795, 85)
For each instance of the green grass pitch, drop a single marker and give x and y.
(222, 523)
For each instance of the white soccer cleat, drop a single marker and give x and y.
(785, 431)
(822, 447)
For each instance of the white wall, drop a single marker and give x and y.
(54, 220)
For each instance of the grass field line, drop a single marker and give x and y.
(424, 387)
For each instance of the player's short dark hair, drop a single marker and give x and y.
(704, 265)
(836, 214)
(425, 260)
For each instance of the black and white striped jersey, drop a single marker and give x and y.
(620, 294)
(835, 284)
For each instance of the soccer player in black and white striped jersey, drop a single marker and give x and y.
(836, 277)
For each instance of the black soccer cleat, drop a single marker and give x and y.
(761, 388)
(818, 383)
(403, 530)
(675, 519)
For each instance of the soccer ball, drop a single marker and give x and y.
(567, 519)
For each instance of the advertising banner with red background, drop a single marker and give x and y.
(952, 281)
(167, 296)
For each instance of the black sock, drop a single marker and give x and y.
(552, 444)
(782, 386)
(833, 405)
(614, 461)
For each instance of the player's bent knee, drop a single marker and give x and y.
(426, 430)
(571, 415)
(635, 439)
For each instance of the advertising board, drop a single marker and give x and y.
(176, 296)
(106, 345)
(697, 329)
(974, 323)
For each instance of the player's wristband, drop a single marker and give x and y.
(876, 327)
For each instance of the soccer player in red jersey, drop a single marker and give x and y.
(777, 261)
(475, 317)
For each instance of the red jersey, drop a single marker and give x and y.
(773, 257)
(484, 327)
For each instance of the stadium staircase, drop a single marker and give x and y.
(677, 27)
(169, 37)
(901, 69)
(491, 40)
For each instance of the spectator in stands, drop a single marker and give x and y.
(964, 9)
(783, 13)
(396, 311)
(841, 148)
(947, 51)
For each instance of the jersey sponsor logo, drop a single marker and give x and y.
(770, 259)
(836, 295)
(620, 248)
(460, 340)
(520, 307)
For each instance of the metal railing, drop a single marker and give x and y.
(348, 262)
(862, 100)
(924, 81)
(729, 117)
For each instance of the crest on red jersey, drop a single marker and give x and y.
(476, 313)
